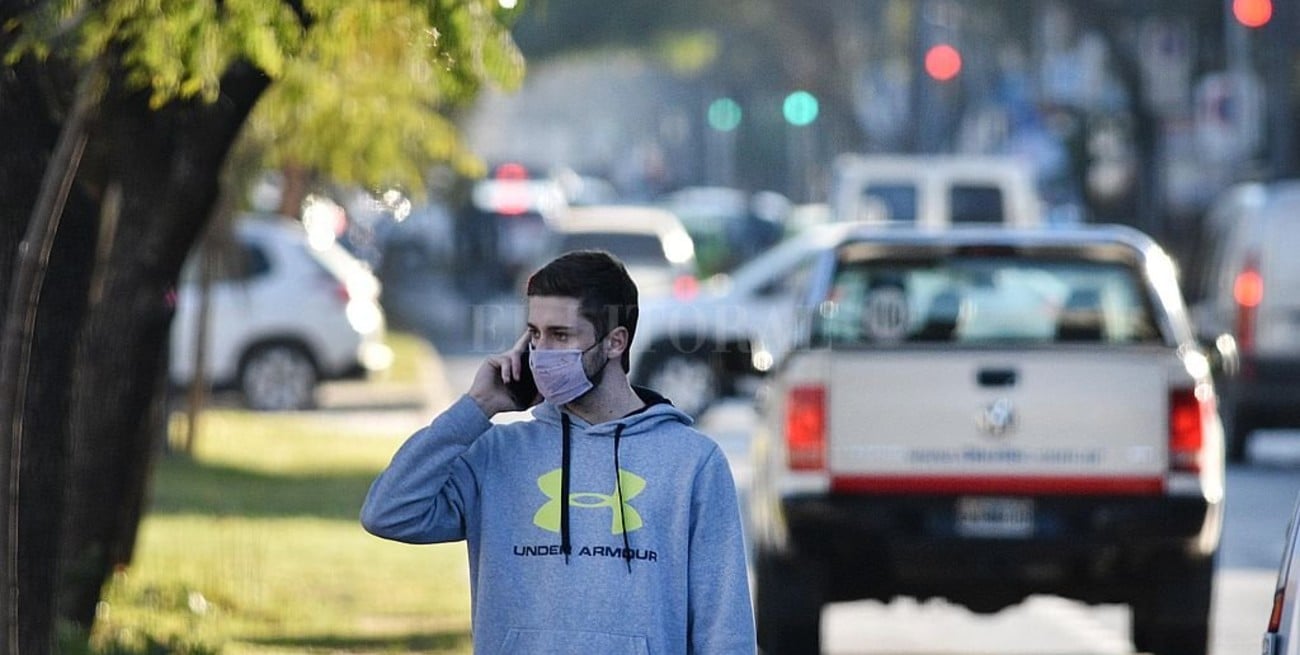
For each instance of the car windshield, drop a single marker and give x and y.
(633, 249)
(980, 299)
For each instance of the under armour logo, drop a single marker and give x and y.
(548, 516)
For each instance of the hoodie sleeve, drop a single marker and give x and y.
(421, 497)
(721, 616)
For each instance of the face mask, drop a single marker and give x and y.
(559, 374)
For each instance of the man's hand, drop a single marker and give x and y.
(489, 389)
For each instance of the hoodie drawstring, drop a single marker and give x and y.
(564, 487)
(618, 485)
(566, 437)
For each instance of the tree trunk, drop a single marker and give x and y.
(166, 164)
(32, 455)
(75, 459)
(296, 181)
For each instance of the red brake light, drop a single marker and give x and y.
(1248, 289)
(512, 195)
(511, 171)
(1189, 410)
(1248, 292)
(805, 428)
(685, 287)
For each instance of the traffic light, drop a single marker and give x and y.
(724, 114)
(800, 108)
(1252, 13)
(942, 62)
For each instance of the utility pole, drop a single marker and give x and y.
(1280, 101)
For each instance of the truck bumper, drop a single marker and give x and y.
(1096, 549)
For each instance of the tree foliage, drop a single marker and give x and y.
(362, 91)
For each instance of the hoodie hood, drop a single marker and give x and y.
(658, 410)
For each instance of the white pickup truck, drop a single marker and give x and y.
(985, 414)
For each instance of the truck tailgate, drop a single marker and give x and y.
(1064, 420)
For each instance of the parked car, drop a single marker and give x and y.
(283, 315)
(505, 225)
(1282, 636)
(984, 414)
(699, 349)
(651, 242)
(1250, 289)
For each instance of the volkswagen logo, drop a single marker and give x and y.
(998, 418)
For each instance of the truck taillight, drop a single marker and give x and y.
(1248, 293)
(1190, 410)
(805, 428)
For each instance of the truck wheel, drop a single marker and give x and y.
(1175, 618)
(1238, 423)
(1238, 428)
(788, 606)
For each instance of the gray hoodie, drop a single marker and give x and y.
(663, 571)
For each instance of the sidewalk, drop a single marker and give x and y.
(386, 407)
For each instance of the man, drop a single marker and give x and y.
(605, 524)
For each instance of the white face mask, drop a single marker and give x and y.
(559, 374)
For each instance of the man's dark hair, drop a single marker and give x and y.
(606, 294)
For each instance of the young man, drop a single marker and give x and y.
(605, 524)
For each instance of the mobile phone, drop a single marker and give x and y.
(523, 390)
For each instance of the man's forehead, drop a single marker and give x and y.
(549, 312)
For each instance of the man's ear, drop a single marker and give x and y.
(616, 342)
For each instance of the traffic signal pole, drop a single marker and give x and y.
(1280, 99)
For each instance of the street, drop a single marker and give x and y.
(1260, 497)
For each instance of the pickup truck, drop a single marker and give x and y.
(983, 414)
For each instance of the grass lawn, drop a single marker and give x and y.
(253, 546)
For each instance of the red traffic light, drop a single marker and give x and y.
(1252, 13)
(942, 62)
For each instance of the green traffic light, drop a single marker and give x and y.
(724, 114)
(800, 108)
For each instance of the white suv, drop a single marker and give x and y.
(283, 315)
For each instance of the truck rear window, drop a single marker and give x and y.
(983, 299)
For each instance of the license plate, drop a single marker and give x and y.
(995, 517)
